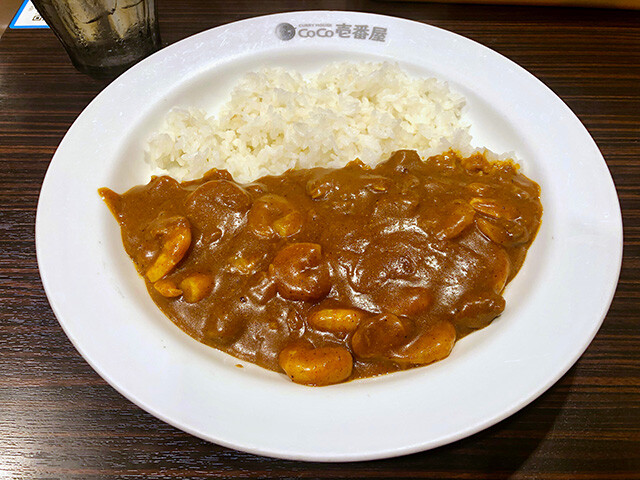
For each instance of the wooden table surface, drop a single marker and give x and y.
(60, 420)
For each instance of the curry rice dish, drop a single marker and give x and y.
(330, 275)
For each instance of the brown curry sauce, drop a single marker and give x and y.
(334, 274)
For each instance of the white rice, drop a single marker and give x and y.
(277, 119)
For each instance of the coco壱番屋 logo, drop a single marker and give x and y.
(286, 31)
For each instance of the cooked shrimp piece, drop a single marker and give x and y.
(433, 344)
(301, 272)
(167, 288)
(196, 286)
(380, 335)
(316, 366)
(336, 319)
(273, 215)
(176, 239)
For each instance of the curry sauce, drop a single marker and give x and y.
(334, 274)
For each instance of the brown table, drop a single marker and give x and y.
(59, 419)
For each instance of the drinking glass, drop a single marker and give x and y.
(103, 37)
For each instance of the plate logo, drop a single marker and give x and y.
(286, 31)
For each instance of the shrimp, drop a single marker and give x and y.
(176, 239)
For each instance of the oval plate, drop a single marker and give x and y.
(554, 306)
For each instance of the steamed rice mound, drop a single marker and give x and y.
(277, 119)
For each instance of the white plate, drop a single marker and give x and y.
(554, 306)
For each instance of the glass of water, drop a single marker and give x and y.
(103, 37)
